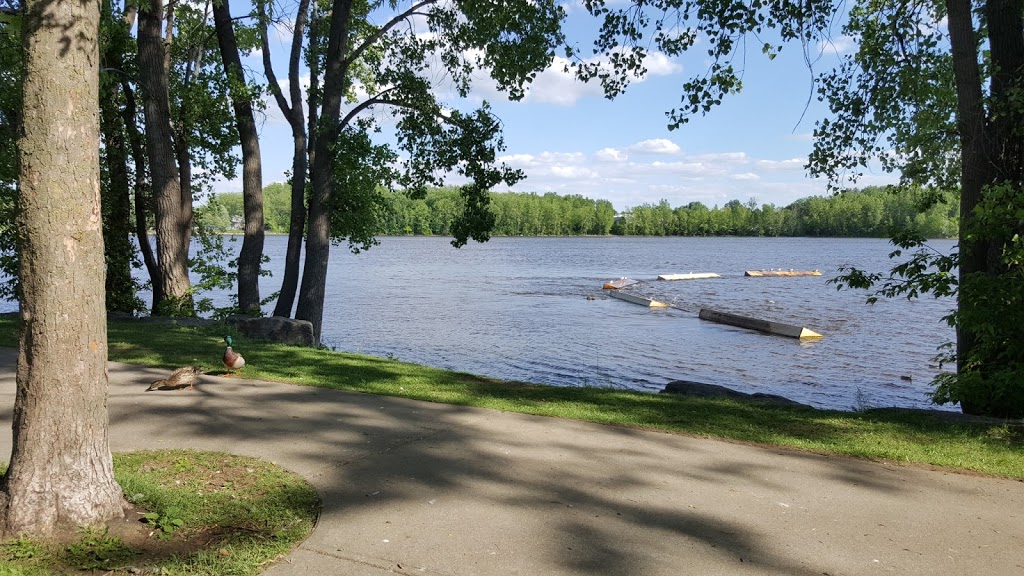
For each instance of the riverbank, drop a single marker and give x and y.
(413, 487)
(909, 437)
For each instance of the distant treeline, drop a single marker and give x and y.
(871, 212)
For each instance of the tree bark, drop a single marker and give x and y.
(318, 234)
(251, 255)
(991, 153)
(141, 189)
(173, 224)
(973, 156)
(120, 287)
(1005, 20)
(300, 163)
(61, 470)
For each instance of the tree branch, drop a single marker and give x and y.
(370, 41)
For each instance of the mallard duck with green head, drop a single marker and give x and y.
(232, 360)
(180, 378)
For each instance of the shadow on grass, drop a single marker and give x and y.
(446, 486)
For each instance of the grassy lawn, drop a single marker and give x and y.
(194, 513)
(901, 436)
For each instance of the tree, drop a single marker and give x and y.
(116, 189)
(349, 55)
(11, 77)
(61, 470)
(920, 89)
(251, 255)
(172, 205)
(911, 97)
(291, 107)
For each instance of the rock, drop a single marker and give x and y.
(702, 390)
(275, 328)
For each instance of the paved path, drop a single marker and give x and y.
(418, 488)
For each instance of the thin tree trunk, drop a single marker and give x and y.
(120, 286)
(61, 470)
(318, 234)
(141, 190)
(116, 198)
(181, 136)
(173, 224)
(251, 255)
(300, 164)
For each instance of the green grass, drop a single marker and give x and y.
(902, 436)
(231, 515)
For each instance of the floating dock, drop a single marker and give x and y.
(637, 299)
(688, 276)
(620, 283)
(781, 272)
(778, 328)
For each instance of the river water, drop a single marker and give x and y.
(518, 308)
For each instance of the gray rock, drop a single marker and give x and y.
(275, 328)
(702, 390)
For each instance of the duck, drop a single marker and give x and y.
(232, 360)
(185, 376)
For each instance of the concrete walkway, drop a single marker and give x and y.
(418, 488)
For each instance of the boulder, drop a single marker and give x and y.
(702, 390)
(275, 328)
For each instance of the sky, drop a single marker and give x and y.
(568, 139)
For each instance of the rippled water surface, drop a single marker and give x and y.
(517, 308)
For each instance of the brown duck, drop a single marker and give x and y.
(232, 360)
(178, 379)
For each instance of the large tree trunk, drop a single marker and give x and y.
(973, 157)
(991, 153)
(61, 471)
(318, 234)
(251, 255)
(300, 164)
(173, 223)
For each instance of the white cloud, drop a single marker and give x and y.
(658, 64)
(687, 169)
(555, 85)
(610, 155)
(572, 172)
(655, 146)
(782, 165)
(840, 45)
(558, 85)
(632, 179)
(725, 158)
(746, 176)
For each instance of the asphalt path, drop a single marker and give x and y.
(413, 487)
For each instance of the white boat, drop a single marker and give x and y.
(620, 283)
(781, 272)
(688, 276)
(638, 300)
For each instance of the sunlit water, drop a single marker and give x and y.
(517, 308)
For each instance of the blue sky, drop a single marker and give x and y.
(569, 139)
